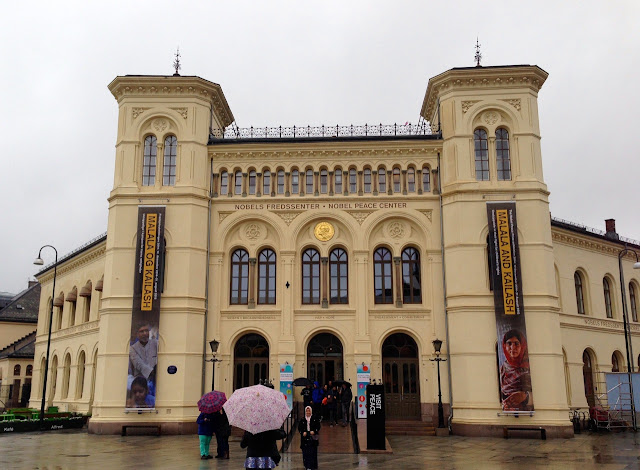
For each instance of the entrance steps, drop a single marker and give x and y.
(397, 427)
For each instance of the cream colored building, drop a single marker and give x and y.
(327, 248)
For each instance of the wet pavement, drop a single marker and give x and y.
(77, 449)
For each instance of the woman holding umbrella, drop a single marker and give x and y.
(262, 449)
(309, 427)
(209, 405)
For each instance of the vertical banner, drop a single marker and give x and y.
(363, 373)
(286, 381)
(513, 353)
(375, 417)
(145, 315)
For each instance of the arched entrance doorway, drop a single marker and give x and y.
(324, 358)
(400, 372)
(250, 361)
(587, 374)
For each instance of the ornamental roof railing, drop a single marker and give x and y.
(595, 231)
(65, 257)
(422, 129)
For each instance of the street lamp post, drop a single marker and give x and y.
(437, 344)
(627, 332)
(213, 344)
(39, 262)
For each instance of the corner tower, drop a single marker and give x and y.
(491, 152)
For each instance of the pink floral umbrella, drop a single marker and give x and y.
(256, 409)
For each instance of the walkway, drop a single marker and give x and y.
(77, 449)
(333, 440)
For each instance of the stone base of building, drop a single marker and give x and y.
(429, 413)
(143, 427)
(497, 430)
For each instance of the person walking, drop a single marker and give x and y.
(262, 450)
(205, 433)
(309, 428)
(223, 431)
(345, 401)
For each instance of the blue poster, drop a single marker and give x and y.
(286, 380)
(363, 376)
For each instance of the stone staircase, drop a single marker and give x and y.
(409, 428)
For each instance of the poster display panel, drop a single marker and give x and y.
(286, 381)
(506, 281)
(363, 374)
(145, 314)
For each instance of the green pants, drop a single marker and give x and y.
(204, 444)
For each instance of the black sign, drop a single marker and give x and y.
(375, 417)
(172, 369)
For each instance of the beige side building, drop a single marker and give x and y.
(332, 247)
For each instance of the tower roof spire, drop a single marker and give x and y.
(176, 63)
(478, 56)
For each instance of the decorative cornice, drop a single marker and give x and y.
(75, 262)
(585, 242)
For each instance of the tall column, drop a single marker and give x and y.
(258, 184)
(252, 283)
(324, 274)
(398, 275)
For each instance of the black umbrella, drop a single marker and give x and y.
(340, 382)
(302, 382)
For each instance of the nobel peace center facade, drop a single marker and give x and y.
(338, 252)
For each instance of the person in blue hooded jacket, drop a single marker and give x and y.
(316, 398)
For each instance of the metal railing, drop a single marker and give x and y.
(289, 426)
(314, 132)
(592, 230)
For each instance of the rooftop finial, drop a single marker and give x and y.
(176, 63)
(478, 57)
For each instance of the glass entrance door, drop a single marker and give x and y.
(324, 358)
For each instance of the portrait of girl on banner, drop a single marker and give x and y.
(515, 374)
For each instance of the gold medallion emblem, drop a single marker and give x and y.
(324, 231)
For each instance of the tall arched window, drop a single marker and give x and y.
(280, 181)
(503, 160)
(224, 183)
(29, 370)
(239, 277)
(606, 287)
(411, 290)
(633, 296)
(367, 180)
(382, 278)
(353, 181)
(80, 377)
(396, 180)
(411, 180)
(481, 146)
(266, 183)
(577, 279)
(615, 363)
(310, 276)
(426, 179)
(66, 375)
(149, 161)
(337, 174)
(169, 165)
(309, 181)
(252, 182)
(324, 181)
(267, 277)
(17, 370)
(237, 182)
(587, 375)
(339, 276)
(382, 180)
(295, 182)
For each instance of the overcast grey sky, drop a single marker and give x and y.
(285, 63)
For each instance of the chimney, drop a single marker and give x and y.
(611, 229)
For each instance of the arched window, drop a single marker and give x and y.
(267, 277)
(266, 183)
(324, 181)
(239, 277)
(252, 182)
(17, 370)
(280, 181)
(577, 279)
(169, 165)
(80, 377)
(615, 364)
(482, 154)
(224, 183)
(308, 182)
(503, 160)
(396, 180)
(367, 180)
(382, 278)
(426, 179)
(633, 296)
(587, 375)
(339, 276)
(411, 180)
(353, 181)
(337, 174)
(149, 161)
(295, 182)
(29, 370)
(66, 375)
(310, 276)
(237, 182)
(411, 290)
(606, 287)
(382, 180)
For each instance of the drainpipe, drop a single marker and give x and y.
(206, 277)
(444, 292)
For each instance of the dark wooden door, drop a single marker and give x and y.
(401, 384)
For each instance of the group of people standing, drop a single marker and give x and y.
(330, 402)
(210, 424)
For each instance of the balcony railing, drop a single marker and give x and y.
(232, 132)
